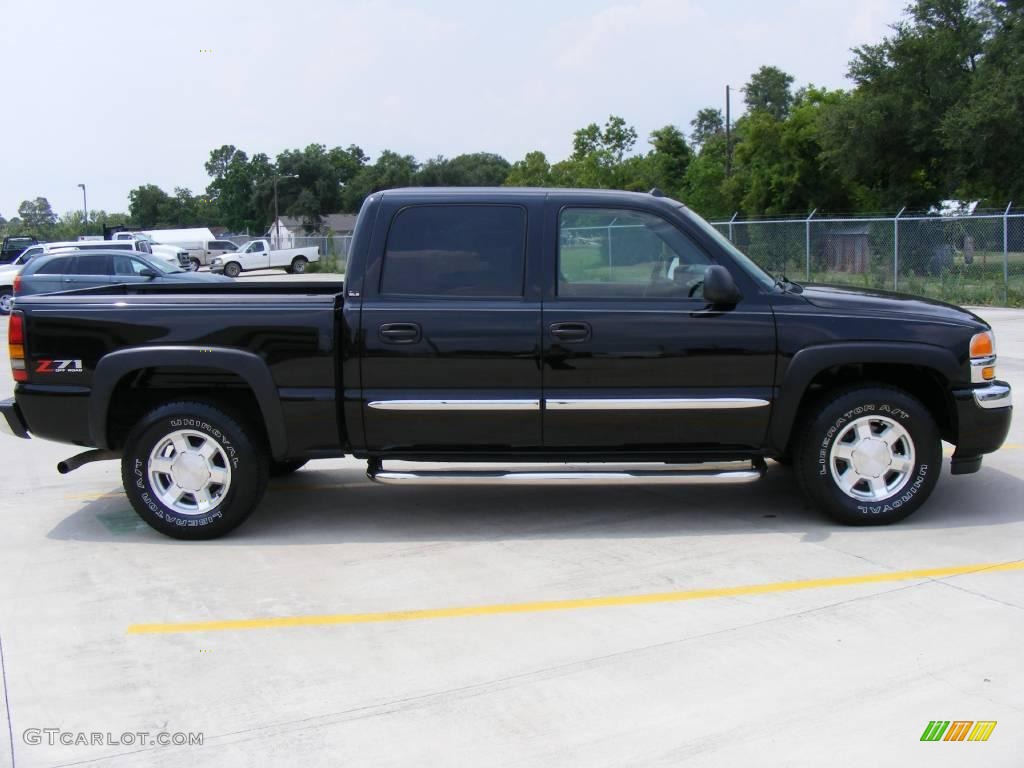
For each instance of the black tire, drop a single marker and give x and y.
(6, 299)
(242, 451)
(232, 269)
(299, 265)
(833, 423)
(285, 468)
(195, 264)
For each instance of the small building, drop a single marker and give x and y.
(286, 229)
(847, 250)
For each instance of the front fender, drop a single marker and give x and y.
(810, 361)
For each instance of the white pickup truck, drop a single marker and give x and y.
(257, 254)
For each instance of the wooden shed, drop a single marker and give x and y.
(847, 250)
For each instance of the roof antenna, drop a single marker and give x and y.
(656, 193)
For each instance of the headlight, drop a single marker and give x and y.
(983, 357)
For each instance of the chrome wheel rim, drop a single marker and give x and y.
(6, 302)
(299, 266)
(872, 458)
(189, 472)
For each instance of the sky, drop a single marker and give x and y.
(117, 94)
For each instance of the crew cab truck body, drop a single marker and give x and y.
(511, 326)
(257, 254)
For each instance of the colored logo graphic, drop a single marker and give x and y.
(958, 730)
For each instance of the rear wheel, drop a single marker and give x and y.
(232, 269)
(869, 455)
(299, 265)
(191, 471)
(6, 299)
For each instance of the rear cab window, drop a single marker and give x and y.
(457, 250)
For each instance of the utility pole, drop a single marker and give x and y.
(85, 211)
(728, 135)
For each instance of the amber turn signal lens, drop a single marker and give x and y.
(982, 345)
(988, 373)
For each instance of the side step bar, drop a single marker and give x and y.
(378, 474)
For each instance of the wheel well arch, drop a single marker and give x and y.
(136, 381)
(922, 371)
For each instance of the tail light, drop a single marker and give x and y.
(983, 357)
(16, 345)
(17, 284)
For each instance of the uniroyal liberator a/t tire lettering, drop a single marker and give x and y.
(869, 455)
(191, 471)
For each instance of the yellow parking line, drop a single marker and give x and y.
(570, 605)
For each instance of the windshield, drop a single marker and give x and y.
(164, 267)
(759, 276)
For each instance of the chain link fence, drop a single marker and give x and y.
(976, 259)
(334, 249)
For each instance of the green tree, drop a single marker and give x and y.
(887, 137)
(147, 204)
(478, 169)
(984, 131)
(778, 165)
(37, 215)
(768, 90)
(707, 124)
(391, 170)
(533, 170)
(669, 160)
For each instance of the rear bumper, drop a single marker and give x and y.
(11, 420)
(983, 421)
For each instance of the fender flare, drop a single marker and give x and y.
(810, 361)
(116, 365)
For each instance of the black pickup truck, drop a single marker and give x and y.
(588, 328)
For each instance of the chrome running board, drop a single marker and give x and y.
(752, 472)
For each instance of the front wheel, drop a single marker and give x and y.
(194, 264)
(299, 265)
(6, 299)
(232, 269)
(191, 471)
(869, 455)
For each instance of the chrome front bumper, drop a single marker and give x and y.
(995, 395)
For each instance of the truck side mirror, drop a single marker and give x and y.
(719, 287)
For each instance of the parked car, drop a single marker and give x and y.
(13, 246)
(468, 330)
(67, 270)
(257, 254)
(173, 254)
(9, 271)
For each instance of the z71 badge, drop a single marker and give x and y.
(58, 366)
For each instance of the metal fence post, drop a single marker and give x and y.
(735, 214)
(1006, 255)
(896, 250)
(807, 245)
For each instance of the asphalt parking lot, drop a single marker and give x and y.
(353, 625)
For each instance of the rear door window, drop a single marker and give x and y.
(93, 264)
(473, 251)
(55, 267)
